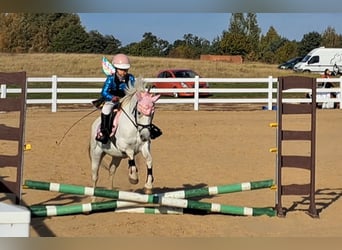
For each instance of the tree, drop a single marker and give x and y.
(309, 41)
(287, 51)
(234, 41)
(40, 30)
(269, 44)
(253, 32)
(51, 32)
(242, 37)
(331, 39)
(190, 47)
(237, 24)
(4, 39)
(183, 51)
(234, 44)
(14, 35)
(112, 45)
(196, 44)
(70, 40)
(215, 46)
(97, 43)
(71, 36)
(150, 45)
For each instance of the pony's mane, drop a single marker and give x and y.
(139, 86)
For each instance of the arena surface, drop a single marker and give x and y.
(197, 149)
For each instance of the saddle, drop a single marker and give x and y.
(155, 132)
(114, 121)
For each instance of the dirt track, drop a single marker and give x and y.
(203, 148)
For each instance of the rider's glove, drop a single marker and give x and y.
(115, 99)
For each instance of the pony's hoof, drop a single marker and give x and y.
(133, 181)
(133, 176)
(147, 190)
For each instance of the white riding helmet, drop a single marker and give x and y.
(121, 61)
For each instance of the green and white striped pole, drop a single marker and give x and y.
(169, 206)
(222, 189)
(116, 206)
(113, 194)
(157, 199)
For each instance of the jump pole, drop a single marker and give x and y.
(162, 200)
(113, 194)
(113, 205)
(169, 206)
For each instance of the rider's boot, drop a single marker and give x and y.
(103, 135)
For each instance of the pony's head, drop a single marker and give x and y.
(145, 107)
(146, 102)
(139, 106)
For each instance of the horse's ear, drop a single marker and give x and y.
(155, 98)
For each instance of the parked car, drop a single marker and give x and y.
(179, 73)
(290, 63)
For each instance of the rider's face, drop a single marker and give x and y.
(122, 72)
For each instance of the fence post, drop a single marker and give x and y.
(3, 91)
(270, 92)
(14, 157)
(196, 93)
(54, 94)
(340, 97)
(286, 160)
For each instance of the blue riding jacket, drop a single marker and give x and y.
(114, 87)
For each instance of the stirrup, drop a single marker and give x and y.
(101, 138)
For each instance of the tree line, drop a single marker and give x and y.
(64, 33)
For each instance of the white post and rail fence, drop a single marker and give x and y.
(263, 91)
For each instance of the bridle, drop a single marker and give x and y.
(135, 122)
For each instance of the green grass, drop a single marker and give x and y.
(89, 65)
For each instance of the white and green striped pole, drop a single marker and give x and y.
(158, 199)
(221, 189)
(113, 194)
(116, 206)
(171, 206)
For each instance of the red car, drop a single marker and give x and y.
(179, 73)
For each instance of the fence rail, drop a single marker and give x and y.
(261, 85)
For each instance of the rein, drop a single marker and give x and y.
(135, 122)
(153, 129)
(60, 141)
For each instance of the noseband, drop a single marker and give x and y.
(135, 122)
(154, 130)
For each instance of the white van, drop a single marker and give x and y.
(319, 59)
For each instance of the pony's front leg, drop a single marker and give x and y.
(96, 157)
(114, 164)
(133, 176)
(149, 177)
